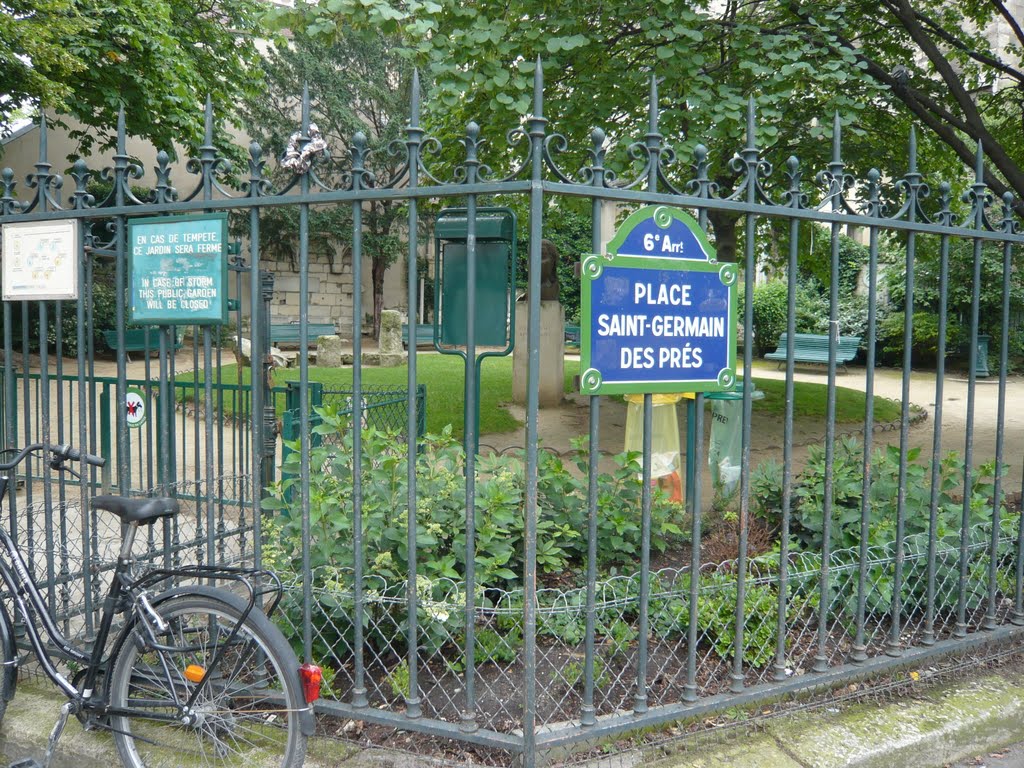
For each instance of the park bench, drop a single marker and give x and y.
(424, 334)
(288, 333)
(141, 339)
(813, 348)
(572, 337)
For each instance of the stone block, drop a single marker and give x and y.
(552, 354)
(390, 342)
(329, 351)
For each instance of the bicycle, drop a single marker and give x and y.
(197, 674)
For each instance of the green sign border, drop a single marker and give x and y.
(185, 317)
(593, 265)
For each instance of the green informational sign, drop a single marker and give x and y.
(658, 311)
(179, 270)
(493, 292)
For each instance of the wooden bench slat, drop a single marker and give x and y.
(135, 339)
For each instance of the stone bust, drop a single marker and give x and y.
(548, 271)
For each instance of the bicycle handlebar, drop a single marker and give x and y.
(60, 453)
(73, 454)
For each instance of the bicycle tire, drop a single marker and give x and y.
(247, 714)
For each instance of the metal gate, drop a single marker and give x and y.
(393, 551)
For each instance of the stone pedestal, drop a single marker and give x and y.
(329, 351)
(390, 343)
(552, 354)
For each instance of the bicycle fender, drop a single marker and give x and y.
(10, 670)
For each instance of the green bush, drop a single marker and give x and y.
(959, 288)
(812, 308)
(807, 519)
(441, 510)
(925, 335)
(771, 301)
(441, 539)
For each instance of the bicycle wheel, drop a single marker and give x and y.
(247, 711)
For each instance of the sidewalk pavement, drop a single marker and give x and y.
(930, 728)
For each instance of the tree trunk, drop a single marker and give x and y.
(379, 267)
(725, 225)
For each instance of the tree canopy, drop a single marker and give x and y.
(356, 85)
(159, 59)
(880, 65)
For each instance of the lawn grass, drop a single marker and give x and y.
(443, 377)
(810, 402)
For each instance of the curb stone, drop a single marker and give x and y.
(933, 729)
(930, 729)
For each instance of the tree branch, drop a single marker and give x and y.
(972, 117)
(978, 56)
(1014, 25)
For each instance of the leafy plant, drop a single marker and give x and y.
(884, 489)
(619, 637)
(441, 533)
(771, 302)
(574, 671)
(398, 680)
(716, 617)
(497, 648)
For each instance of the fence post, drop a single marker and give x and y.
(261, 353)
(158, 436)
(421, 410)
(105, 438)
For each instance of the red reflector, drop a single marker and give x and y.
(311, 676)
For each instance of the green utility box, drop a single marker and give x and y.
(495, 275)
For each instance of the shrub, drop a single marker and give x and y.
(960, 283)
(441, 509)
(925, 336)
(104, 299)
(771, 301)
(807, 519)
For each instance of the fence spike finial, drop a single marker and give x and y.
(652, 109)
(979, 164)
(42, 137)
(121, 132)
(538, 89)
(912, 151)
(305, 109)
(837, 138)
(414, 99)
(751, 142)
(208, 121)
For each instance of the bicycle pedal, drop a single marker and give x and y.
(28, 762)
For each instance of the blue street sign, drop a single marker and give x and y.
(658, 311)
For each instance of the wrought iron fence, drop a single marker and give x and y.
(408, 595)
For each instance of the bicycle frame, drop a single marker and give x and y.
(30, 604)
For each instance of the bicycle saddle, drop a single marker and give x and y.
(143, 510)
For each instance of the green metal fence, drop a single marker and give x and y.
(471, 597)
(383, 409)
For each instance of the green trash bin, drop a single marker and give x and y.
(981, 359)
